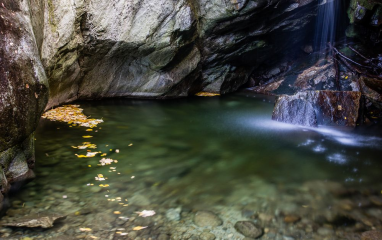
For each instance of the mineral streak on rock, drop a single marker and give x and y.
(314, 108)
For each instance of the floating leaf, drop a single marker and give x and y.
(139, 228)
(85, 229)
(71, 114)
(146, 213)
(88, 136)
(207, 94)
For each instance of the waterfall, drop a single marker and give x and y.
(326, 23)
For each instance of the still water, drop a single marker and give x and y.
(220, 154)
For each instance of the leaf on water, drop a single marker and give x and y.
(89, 130)
(207, 94)
(117, 212)
(71, 114)
(91, 154)
(85, 229)
(146, 213)
(100, 177)
(88, 136)
(106, 161)
(139, 228)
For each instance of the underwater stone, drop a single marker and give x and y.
(173, 214)
(43, 221)
(372, 235)
(207, 219)
(248, 229)
(313, 108)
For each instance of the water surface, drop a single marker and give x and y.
(223, 154)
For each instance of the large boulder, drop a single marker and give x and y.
(312, 108)
(23, 93)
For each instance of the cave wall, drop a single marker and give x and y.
(156, 49)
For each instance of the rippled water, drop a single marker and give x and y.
(222, 154)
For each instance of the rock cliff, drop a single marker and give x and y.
(93, 49)
(23, 92)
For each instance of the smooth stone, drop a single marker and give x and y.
(173, 214)
(265, 217)
(325, 231)
(207, 219)
(371, 235)
(248, 229)
(73, 189)
(163, 236)
(376, 200)
(139, 200)
(207, 236)
(288, 238)
(291, 218)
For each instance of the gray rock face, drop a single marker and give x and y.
(311, 108)
(207, 219)
(155, 49)
(23, 92)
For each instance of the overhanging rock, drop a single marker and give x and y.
(312, 108)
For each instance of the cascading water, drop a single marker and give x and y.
(327, 23)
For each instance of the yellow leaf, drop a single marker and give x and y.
(85, 229)
(139, 228)
(207, 94)
(88, 136)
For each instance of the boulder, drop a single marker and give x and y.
(312, 108)
(23, 93)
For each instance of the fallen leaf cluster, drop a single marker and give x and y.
(71, 114)
(207, 94)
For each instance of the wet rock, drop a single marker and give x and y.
(207, 219)
(376, 200)
(73, 189)
(173, 214)
(308, 49)
(23, 94)
(325, 231)
(371, 235)
(207, 236)
(41, 220)
(292, 218)
(139, 200)
(265, 217)
(248, 229)
(318, 107)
